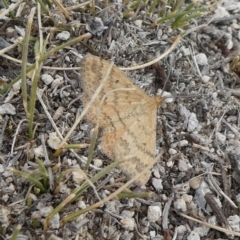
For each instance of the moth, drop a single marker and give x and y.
(127, 117)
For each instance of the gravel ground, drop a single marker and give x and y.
(193, 192)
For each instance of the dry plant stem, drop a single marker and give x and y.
(40, 29)
(17, 42)
(15, 135)
(11, 8)
(113, 195)
(48, 114)
(175, 234)
(81, 5)
(216, 210)
(44, 57)
(219, 190)
(43, 7)
(195, 62)
(92, 146)
(20, 9)
(62, 8)
(33, 97)
(155, 60)
(24, 61)
(224, 230)
(39, 50)
(47, 162)
(234, 130)
(87, 107)
(2, 130)
(166, 213)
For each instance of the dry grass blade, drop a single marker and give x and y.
(24, 61)
(224, 230)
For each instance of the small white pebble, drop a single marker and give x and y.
(77, 176)
(192, 122)
(65, 35)
(10, 188)
(81, 204)
(193, 236)
(152, 234)
(187, 198)
(221, 138)
(36, 215)
(229, 44)
(185, 51)
(57, 82)
(128, 223)
(157, 184)
(138, 23)
(156, 174)
(154, 213)
(98, 162)
(54, 222)
(220, 12)
(112, 180)
(7, 108)
(184, 166)
(54, 140)
(202, 59)
(183, 143)
(181, 229)
(7, 174)
(58, 113)
(164, 197)
(63, 188)
(66, 94)
(234, 222)
(5, 198)
(107, 192)
(194, 183)
(180, 204)
(38, 151)
(67, 58)
(212, 220)
(202, 231)
(159, 34)
(169, 163)
(127, 213)
(234, 25)
(47, 78)
(33, 197)
(45, 210)
(214, 95)
(230, 136)
(11, 32)
(8, 180)
(1, 168)
(205, 79)
(238, 198)
(172, 151)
